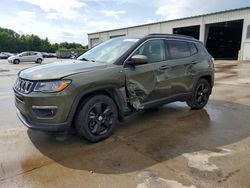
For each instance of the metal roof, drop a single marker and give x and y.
(170, 36)
(213, 13)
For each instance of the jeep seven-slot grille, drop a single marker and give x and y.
(23, 86)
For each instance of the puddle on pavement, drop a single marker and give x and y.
(151, 180)
(200, 159)
(159, 135)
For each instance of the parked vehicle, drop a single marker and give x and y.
(5, 55)
(45, 54)
(52, 55)
(116, 78)
(48, 55)
(28, 56)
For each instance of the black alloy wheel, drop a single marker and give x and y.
(200, 95)
(96, 118)
(100, 118)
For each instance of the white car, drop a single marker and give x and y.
(29, 56)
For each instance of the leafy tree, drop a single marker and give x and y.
(10, 41)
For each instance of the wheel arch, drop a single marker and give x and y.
(111, 91)
(17, 60)
(39, 58)
(207, 77)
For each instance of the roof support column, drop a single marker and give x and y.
(245, 47)
(202, 31)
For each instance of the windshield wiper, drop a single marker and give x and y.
(84, 59)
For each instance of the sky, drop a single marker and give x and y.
(71, 20)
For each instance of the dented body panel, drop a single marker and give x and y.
(147, 82)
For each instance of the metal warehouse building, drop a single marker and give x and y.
(225, 34)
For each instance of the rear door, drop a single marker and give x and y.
(183, 55)
(33, 56)
(147, 82)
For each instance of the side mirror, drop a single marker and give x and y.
(139, 59)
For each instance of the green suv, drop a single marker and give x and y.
(112, 80)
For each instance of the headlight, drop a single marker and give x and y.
(52, 86)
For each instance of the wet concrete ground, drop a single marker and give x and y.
(169, 147)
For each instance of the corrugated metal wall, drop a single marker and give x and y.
(167, 27)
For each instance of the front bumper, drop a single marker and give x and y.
(48, 127)
(45, 111)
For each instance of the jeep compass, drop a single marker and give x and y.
(115, 78)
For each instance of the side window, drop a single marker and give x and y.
(193, 48)
(178, 49)
(154, 50)
(25, 54)
(33, 53)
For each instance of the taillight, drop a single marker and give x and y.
(212, 62)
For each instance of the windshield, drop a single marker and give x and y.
(108, 51)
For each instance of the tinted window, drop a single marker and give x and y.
(154, 50)
(24, 54)
(178, 49)
(193, 48)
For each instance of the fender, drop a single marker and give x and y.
(204, 74)
(112, 90)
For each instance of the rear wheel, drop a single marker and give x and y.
(200, 94)
(16, 61)
(39, 61)
(96, 118)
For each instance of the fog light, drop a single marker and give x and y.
(45, 111)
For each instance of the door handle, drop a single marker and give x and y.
(164, 67)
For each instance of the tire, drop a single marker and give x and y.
(39, 61)
(16, 61)
(96, 118)
(200, 94)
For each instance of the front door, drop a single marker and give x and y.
(148, 82)
(24, 56)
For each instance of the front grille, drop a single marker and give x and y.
(23, 86)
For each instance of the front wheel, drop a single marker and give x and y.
(200, 94)
(96, 118)
(16, 61)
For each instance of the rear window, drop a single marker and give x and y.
(193, 48)
(178, 49)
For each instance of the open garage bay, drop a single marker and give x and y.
(223, 40)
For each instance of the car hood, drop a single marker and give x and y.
(59, 69)
(12, 57)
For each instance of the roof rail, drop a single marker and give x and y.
(171, 35)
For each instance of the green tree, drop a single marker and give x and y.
(11, 41)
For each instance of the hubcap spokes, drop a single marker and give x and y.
(202, 94)
(100, 118)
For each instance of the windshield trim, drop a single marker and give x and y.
(125, 39)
